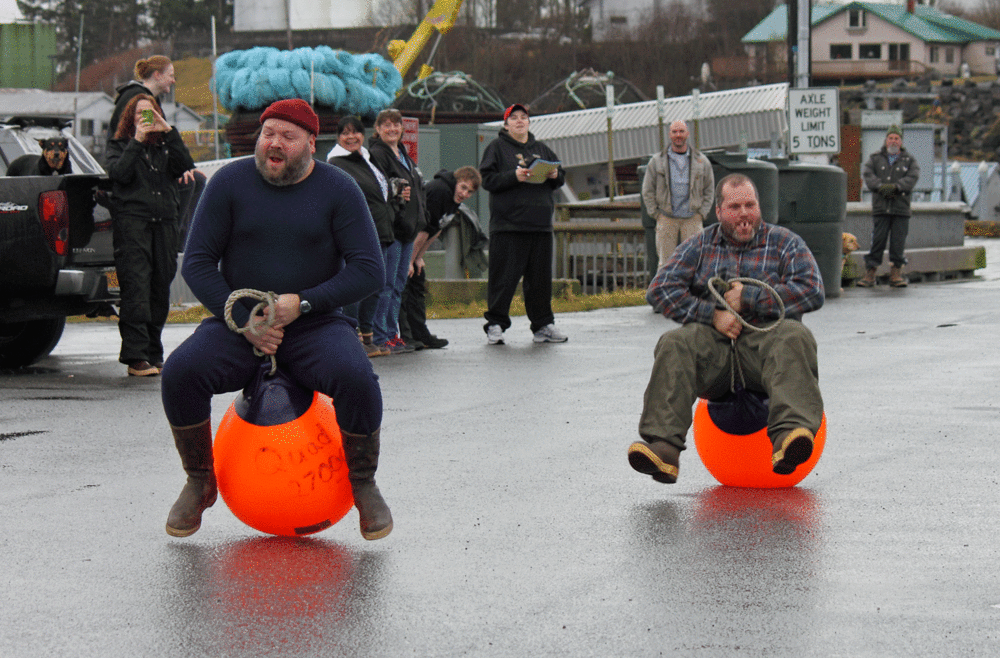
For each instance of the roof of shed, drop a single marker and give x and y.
(726, 118)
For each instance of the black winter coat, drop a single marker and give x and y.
(517, 206)
(440, 199)
(144, 177)
(413, 216)
(355, 166)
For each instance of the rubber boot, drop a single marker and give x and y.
(361, 452)
(896, 278)
(868, 280)
(194, 444)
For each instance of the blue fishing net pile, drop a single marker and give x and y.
(344, 82)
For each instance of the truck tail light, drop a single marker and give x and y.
(54, 214)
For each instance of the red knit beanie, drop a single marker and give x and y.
(294, 110)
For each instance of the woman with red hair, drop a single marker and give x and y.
(145, 159)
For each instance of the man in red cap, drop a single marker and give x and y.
(521, 208)
(301, 229)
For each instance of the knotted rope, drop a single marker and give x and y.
(718, 286)
(268, 301)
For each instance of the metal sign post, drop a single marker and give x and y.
(610, 91)
(660, 110)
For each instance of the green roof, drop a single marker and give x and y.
(926, 23)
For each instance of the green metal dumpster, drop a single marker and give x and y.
(812, 201)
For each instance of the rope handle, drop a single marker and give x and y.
(718, 287)
(268, 301)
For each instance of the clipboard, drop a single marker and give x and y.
(540, 170)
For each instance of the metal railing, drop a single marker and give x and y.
(602, 246)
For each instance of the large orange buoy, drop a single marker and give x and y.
(742, 457)
(279, 459)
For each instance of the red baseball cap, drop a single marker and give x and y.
(515, 106)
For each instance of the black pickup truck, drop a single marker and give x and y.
(56, 252)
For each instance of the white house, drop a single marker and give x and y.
(870, 40)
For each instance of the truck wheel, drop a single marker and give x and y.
(23, 343)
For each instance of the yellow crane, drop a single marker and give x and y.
(441, 17)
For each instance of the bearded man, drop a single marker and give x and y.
(299, 228)
(891, 174)
(54, 160)
(696, 360)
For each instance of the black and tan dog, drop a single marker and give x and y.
(54, 160)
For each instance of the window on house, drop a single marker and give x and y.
(933, 55)
(899, 52)
(991, 51)
(618, 20)
(840, 51)
(870, 51)
(87, 127)
(949, 55)
(856, 18)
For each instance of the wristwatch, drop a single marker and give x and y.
(305, 307)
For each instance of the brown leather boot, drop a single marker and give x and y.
(868, 280)
(194, 444)
(656, 458)
(896, 278)
(362, 452)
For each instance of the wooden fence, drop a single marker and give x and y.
(600, 245)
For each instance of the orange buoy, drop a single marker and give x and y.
(279, 459)
(744, 460)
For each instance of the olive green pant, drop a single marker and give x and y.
(694, 361)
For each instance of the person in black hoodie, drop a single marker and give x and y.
(351, 155)
(444, 194)
(144, 162)
(154, 77)
(391, 157)
(520, 228)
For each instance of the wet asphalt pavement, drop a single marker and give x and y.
(520, 529)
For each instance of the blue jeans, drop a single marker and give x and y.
(364, 311)
(397, 266)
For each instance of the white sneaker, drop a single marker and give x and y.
(494, 335)
(549, 334)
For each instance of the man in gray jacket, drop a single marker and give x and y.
(890, 174)
(677, 191)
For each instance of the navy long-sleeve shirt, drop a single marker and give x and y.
(315, 238)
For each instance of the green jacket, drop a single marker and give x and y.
(904, 174)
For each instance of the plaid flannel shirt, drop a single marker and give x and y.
(776, 256)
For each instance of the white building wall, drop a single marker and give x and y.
(982, 57)
(260, 15)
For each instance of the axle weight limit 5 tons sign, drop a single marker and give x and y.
(813, 121)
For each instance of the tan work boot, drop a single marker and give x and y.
(868, 280)
(791, 450)
(656, 458)
(371, 349)
(896, 278)
(361, 452)
(194, 444)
